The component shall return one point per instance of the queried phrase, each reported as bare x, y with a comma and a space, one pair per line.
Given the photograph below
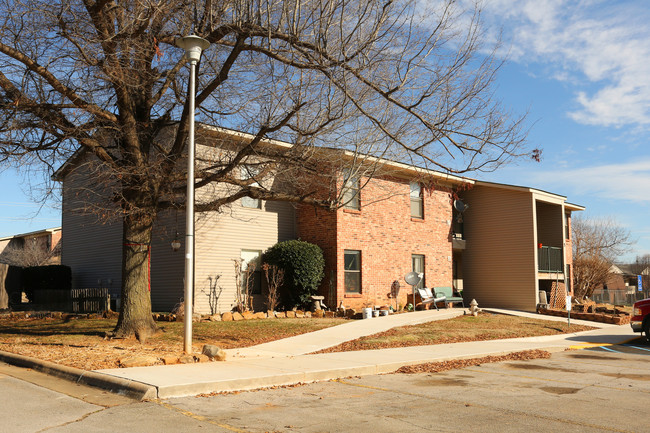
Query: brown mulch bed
461, 329
437, 367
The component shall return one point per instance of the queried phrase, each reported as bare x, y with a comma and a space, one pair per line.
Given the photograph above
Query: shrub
53, 277
303, 265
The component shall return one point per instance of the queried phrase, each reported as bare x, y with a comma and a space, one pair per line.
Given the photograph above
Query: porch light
176, 244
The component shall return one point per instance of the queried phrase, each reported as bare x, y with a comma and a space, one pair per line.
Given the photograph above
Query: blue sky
582, 71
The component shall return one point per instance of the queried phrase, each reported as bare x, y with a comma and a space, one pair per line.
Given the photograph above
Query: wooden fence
73, 301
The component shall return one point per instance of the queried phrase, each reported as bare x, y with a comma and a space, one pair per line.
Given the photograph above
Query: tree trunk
135, 313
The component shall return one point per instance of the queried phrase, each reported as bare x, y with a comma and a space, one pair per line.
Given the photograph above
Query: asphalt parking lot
605, 389
578, 390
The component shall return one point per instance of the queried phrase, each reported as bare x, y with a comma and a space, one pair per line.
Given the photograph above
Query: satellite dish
413, 278
460, 206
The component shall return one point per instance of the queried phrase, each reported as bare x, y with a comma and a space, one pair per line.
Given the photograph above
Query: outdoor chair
450, 298
427, 297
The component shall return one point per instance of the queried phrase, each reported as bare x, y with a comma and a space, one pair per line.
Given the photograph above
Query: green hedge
303, 265
53, 277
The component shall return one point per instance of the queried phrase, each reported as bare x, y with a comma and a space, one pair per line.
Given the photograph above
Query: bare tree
102, 78
274, 279
641, 266
596, 245
30, 253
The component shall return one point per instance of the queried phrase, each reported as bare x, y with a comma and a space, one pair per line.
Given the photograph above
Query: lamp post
193, 46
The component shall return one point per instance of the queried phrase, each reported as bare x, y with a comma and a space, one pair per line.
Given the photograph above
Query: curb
116, 385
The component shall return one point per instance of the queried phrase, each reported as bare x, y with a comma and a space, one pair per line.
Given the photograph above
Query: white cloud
629, 181
602, 48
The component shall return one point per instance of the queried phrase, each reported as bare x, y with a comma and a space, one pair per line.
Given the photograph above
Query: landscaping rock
227, 316
199, 357
271, 314
259, 315
280, 314
215, 318
290, 314
318, 314
247, 315
308, 314
330, 314
300, 313
137, 361
214, 352
186, 359
169, 359
237, 316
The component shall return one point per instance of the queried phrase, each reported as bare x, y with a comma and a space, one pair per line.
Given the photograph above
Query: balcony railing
550, 259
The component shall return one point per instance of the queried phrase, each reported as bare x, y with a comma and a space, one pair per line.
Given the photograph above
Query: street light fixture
193, 46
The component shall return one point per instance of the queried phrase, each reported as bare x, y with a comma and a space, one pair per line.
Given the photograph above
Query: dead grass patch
484, 327
80, 342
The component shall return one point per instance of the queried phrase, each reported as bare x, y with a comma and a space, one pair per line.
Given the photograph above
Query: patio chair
427, 297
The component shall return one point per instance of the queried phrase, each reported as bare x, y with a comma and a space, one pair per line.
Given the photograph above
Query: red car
640, 321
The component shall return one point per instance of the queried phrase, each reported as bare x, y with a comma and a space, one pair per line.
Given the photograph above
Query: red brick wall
387, 236
318, 226
56, 237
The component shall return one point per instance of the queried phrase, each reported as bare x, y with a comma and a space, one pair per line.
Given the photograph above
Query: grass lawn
80, 342
460, 329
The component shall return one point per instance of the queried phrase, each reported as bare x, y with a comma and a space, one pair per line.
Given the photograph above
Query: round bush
303, 265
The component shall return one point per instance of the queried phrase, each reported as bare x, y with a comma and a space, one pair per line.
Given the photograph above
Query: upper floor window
249, 173
351, 187
417, 205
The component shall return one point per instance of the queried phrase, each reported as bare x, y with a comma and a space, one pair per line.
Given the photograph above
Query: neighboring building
403, 220
622, 285
41, 247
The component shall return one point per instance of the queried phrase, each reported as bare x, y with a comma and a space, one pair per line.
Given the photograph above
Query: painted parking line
609, 349
637, 347
582, 346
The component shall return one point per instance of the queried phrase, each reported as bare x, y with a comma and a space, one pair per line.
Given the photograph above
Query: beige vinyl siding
92, 246
167, 266
499, 261
220, 237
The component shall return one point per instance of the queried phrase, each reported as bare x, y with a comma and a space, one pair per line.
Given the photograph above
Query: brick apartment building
511, 243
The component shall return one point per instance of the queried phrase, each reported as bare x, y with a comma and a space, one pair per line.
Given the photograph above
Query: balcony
550, 259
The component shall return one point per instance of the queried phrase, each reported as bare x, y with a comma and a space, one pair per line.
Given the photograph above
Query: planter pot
367, 313
384, 312
375, 313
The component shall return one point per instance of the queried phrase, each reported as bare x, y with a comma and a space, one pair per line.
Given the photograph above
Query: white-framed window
352, 270
252, 258
351, 186
249, 173
417, 204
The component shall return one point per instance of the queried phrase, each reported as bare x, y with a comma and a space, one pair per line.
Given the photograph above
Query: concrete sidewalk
279, 364
335, 335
